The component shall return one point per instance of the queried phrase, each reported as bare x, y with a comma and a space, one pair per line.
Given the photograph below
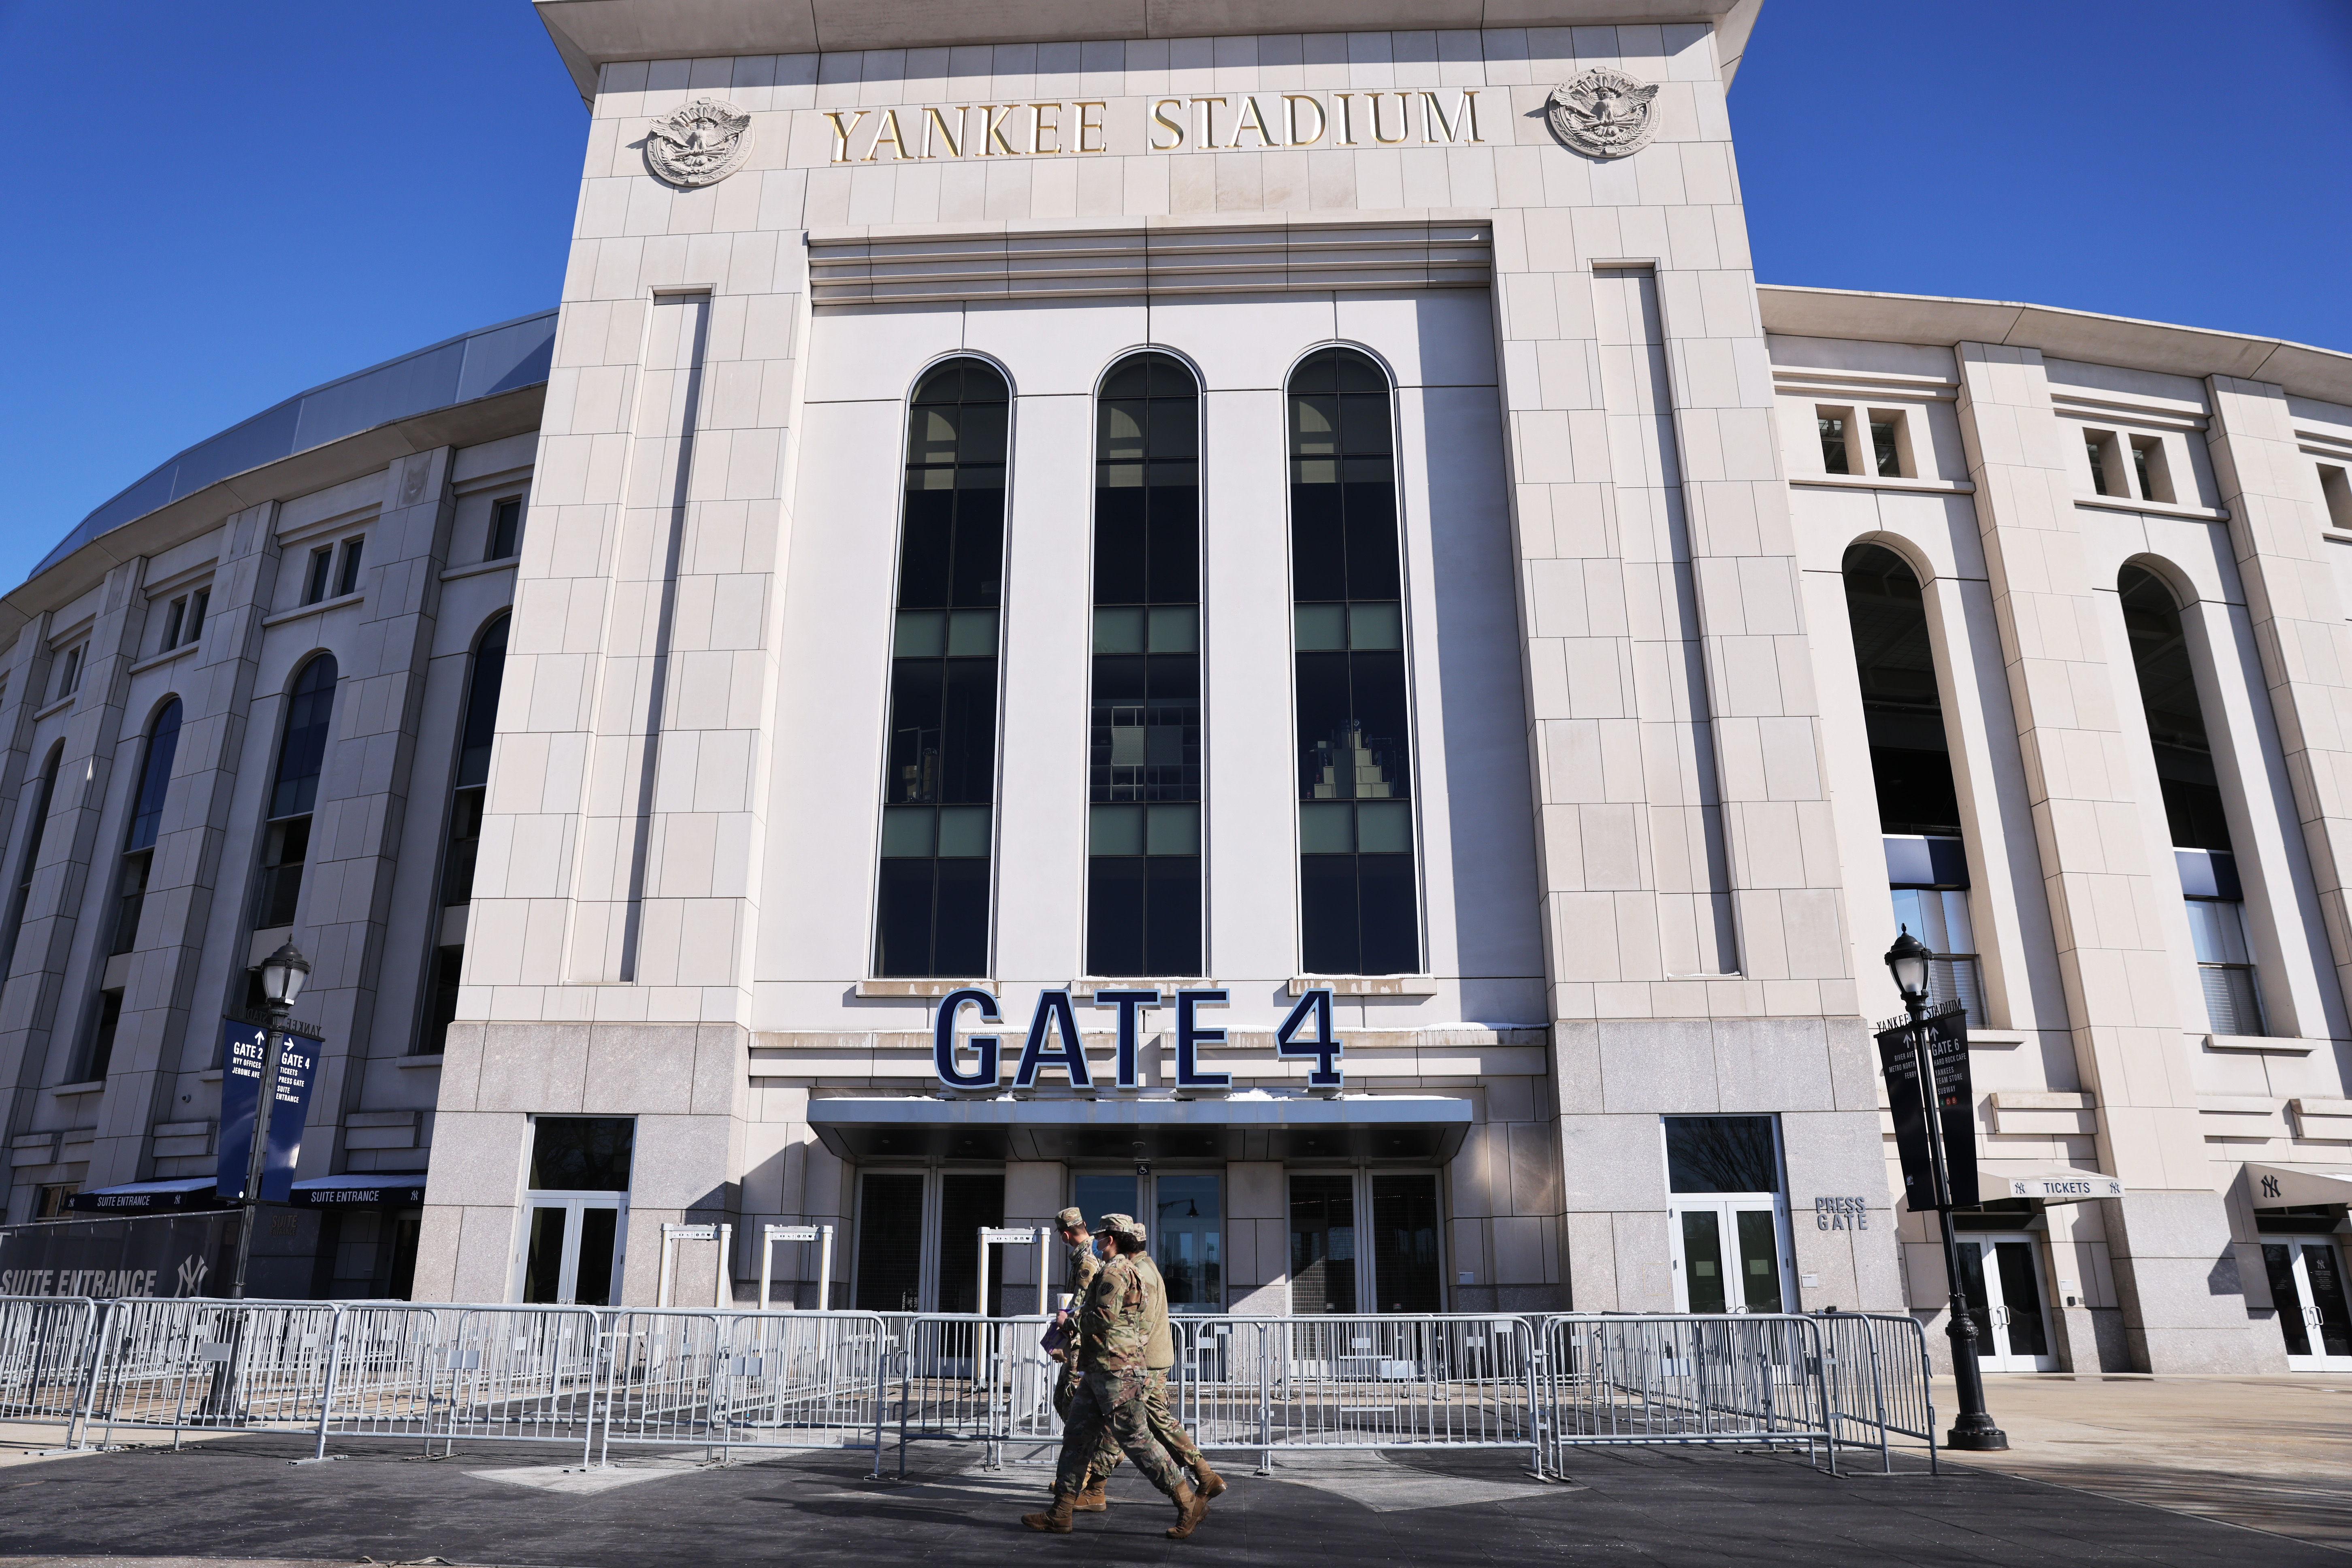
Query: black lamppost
282, 974
1908, 960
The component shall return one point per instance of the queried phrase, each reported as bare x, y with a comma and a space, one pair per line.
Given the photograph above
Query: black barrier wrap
159, 1254
1948, 1046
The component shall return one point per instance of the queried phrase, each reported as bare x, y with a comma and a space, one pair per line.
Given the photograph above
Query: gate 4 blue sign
245, 1055
1054, 1041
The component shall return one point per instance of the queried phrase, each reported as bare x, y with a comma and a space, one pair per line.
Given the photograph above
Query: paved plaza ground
2124, 1471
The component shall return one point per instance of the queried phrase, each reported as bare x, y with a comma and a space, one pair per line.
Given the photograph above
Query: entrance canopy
150, 1197
2293, 1187
1243, 1127
373, 1189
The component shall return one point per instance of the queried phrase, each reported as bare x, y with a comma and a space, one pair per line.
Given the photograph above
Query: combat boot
1055, 1520
1092, 1499
1211, 1483
1192, 1508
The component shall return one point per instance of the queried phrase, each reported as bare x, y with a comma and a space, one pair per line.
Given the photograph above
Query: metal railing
47, 1347
1880, 1382
1745, 1379
602, 1378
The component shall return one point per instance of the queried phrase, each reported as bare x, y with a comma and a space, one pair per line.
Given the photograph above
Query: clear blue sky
215, 206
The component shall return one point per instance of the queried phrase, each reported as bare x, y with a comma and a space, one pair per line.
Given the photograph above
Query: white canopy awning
2063, 1185
2291, 1186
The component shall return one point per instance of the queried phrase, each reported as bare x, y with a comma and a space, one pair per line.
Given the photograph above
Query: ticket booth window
575, 1210
1727, 1214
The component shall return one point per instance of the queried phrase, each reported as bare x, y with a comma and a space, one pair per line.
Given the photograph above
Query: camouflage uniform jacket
1114, 1326
1078, 1270
1161, 1352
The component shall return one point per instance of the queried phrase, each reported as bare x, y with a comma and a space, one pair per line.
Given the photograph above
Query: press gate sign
245, 1055
1947, 1047
1053, 1043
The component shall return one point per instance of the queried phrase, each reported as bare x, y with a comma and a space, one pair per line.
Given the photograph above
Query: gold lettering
1405, 118
938, 121
1290, 102
841, 132
1039, 125
1346, 119
1251, 117
1085, 125
889, 133
1208, 121
1466, 116
992, 125
1159, 116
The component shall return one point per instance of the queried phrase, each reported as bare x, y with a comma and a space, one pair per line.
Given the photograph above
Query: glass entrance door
1730, 1255
1184, 1217
2307, 1284
1339, 1263
571, 1249
2007, 1302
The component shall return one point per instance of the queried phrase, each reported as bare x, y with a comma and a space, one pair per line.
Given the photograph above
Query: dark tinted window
582, 1154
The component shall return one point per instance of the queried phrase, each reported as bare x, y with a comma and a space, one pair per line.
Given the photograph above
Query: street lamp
282, 974
1908, 960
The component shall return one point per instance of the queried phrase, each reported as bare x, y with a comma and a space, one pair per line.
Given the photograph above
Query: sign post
274, 1067
1925, 1061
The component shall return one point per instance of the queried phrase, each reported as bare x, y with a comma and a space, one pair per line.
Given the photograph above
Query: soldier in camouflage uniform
1113, 1343
1170, 1434
1078, 1270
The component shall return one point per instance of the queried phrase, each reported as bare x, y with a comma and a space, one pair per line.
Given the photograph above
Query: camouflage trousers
1114, 1409
1163, 1419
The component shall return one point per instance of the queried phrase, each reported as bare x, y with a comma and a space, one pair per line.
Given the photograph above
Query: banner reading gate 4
244, 1051
1947, 1047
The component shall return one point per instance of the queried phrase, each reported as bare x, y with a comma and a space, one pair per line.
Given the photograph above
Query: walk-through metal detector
1010, 1235
722, 1289
776, 1232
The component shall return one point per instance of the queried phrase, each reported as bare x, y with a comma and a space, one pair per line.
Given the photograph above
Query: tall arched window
1911, 763
294, 790
467, 787
1143, 759
131, 880
1358, 910
30, 860
939, 782
2192, 802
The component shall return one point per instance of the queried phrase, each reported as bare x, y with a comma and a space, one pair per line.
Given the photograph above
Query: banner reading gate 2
244, 1052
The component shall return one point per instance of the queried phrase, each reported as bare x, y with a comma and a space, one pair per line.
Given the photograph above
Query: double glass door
1730, 1254
2307, 1284
1341, 1264
572, 1248
2002, 1278
1183, 1220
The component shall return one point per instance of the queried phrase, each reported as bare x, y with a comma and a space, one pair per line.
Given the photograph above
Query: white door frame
2317, 1361
568, 1270
1997, 1356
1726, 1205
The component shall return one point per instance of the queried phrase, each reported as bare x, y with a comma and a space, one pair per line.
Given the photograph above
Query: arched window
131, 882
1358, 911
28, 862
294, 790
940, 781
1143, 761
467, 788
2193, 810
1911, 763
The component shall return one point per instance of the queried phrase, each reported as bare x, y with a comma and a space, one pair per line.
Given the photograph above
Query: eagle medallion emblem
1605, 113
699, 144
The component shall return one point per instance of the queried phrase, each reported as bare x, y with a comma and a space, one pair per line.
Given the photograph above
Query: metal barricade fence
744, 1380
1879, 1382
1270, 1384
428, 1372
957, 1378
193, 1364
1672, 1379
48, 1351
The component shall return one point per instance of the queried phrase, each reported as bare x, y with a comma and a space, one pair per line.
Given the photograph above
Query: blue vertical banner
245, 1054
